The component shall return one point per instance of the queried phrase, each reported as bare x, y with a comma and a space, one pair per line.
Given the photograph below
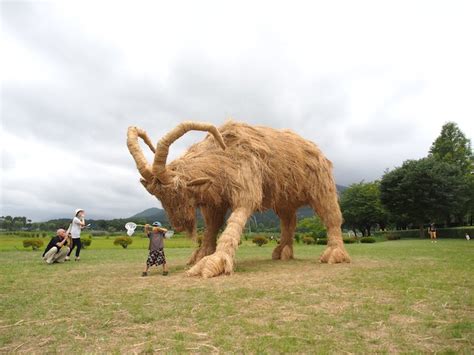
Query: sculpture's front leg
222, 261
214, 219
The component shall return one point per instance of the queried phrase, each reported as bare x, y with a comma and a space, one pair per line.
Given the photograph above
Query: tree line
9, 223
15, 223
438, 188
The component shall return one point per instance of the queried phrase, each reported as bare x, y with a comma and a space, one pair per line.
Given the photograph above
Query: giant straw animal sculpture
241, 168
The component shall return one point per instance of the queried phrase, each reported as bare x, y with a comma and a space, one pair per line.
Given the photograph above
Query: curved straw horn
162, 148
132, 142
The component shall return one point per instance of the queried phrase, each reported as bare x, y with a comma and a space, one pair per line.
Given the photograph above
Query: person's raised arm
80, 221
147, 229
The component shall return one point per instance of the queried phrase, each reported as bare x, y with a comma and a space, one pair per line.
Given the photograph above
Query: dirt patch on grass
403, 320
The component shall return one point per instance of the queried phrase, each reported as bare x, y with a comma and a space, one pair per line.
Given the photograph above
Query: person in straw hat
156, 255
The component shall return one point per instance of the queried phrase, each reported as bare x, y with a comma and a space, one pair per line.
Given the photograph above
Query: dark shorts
156, 257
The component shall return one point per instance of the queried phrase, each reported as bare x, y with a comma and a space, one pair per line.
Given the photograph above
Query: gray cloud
66, 132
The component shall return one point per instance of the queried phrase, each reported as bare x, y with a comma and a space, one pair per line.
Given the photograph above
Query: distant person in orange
432, 232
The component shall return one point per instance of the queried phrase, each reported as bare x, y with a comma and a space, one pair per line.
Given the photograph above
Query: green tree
470, 205
14, 223
7, 222
19, 222
453, 147
362, 208
312, 225
423, 190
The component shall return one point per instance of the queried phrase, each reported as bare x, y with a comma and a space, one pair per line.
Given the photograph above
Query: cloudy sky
370, 82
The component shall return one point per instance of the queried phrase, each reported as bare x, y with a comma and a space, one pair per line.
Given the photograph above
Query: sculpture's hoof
285, 253
213, 265
195, 256
334, 255
198, 254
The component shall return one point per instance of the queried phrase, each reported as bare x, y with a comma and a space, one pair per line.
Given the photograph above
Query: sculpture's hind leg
214, 220
284, 250
327, 207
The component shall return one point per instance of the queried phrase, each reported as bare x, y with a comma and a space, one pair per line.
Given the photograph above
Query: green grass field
399, 296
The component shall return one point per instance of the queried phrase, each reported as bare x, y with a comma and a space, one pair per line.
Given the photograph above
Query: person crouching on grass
56, 251
156, 255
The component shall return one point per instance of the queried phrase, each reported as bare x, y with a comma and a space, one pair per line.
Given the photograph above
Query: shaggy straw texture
159, 164
245, 169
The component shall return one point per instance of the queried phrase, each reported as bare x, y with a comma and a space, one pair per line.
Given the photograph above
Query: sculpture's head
175, 188
179, 199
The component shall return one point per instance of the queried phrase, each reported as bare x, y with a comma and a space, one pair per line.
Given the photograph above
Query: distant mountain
151, 213
267, 219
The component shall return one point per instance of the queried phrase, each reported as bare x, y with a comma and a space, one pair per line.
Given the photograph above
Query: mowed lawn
396, 296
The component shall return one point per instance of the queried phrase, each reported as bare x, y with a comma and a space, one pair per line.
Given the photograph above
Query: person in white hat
78, 223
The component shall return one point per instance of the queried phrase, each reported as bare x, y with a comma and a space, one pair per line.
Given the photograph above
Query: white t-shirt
76, 228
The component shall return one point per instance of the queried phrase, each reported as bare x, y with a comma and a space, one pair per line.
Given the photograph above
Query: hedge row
324, 241
35, 244
453, 233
